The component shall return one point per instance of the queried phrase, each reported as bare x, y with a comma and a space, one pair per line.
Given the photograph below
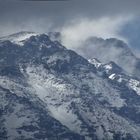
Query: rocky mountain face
49, 93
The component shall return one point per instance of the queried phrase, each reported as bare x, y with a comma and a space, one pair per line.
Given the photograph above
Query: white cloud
77, 31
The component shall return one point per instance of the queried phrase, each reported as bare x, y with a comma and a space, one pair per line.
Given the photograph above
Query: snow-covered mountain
50, 92
116, 74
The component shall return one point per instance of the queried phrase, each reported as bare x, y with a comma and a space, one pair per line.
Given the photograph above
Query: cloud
88, 38
77, 31
16, 13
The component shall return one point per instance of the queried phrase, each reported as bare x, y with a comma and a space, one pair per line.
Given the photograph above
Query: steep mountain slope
50, 92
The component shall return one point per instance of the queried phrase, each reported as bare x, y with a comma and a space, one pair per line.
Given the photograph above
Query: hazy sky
75, 18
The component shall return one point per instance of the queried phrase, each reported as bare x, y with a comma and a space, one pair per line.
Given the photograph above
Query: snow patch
135, 85
95, 62
112, 76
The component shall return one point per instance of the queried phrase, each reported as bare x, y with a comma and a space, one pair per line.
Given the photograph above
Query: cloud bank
77, 31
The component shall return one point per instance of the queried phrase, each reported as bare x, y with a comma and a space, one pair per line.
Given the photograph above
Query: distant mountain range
48, 92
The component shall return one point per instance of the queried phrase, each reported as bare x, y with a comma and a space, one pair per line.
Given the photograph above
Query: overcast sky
105, 18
